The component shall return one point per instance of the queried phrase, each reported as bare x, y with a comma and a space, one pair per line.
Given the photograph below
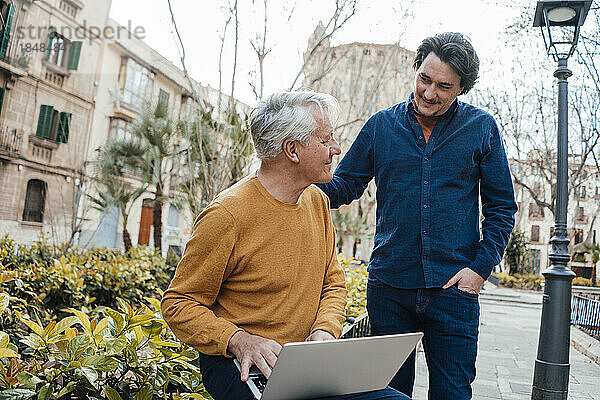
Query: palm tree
214, 156
113, 189
149, 155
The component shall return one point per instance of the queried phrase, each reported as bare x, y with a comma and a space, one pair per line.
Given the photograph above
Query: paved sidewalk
508, 339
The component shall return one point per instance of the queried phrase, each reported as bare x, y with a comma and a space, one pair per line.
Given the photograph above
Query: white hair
287, 115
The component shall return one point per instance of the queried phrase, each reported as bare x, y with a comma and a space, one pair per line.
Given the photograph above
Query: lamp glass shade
561, 14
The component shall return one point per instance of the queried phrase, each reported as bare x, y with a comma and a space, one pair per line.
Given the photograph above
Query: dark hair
454, 49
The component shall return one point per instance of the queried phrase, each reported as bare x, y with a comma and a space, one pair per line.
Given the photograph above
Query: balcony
11, 142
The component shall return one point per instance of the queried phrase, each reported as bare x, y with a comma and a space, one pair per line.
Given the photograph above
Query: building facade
133, 75
70, 80
49, 63
537, 221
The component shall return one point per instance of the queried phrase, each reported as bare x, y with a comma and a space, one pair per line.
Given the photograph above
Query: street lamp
560, 22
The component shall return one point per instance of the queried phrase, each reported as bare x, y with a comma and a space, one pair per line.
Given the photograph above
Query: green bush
62, 336
356, 283
45, 277
126, 354
579, 281
518, 281
533, 281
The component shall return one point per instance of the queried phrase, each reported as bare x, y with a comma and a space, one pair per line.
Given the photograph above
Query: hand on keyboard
254, 350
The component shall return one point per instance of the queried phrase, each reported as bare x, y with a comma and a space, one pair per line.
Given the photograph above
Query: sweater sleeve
208, 259
332, 306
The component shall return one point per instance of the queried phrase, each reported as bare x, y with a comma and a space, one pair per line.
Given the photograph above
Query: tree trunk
126, 240
157, 218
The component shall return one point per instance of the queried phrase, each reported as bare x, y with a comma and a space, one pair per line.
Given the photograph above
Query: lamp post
560, 22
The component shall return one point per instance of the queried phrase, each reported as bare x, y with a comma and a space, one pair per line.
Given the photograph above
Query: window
535, 233
120, 129
536, 211
533, 258
367, 52
138, 83
57, 47
163, 101
53, 125
578, 236
173, 219
580, 215
537, 190
580, 192
35, 198
7, 12
62, 52
190, 109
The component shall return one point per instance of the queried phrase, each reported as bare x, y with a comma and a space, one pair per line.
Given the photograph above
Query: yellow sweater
256, 264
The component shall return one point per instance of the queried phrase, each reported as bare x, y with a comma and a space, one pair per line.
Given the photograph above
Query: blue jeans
221, 379
449, 320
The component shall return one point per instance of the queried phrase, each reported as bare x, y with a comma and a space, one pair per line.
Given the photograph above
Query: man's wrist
235, 339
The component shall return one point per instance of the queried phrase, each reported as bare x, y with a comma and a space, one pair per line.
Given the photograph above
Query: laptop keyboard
260, 381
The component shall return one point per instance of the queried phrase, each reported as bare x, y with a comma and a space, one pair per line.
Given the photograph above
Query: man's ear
290, 150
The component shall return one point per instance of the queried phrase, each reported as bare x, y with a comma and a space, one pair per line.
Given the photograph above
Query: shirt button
424, 232
424, 256
426, 158
425, 206
426, 182
420, 137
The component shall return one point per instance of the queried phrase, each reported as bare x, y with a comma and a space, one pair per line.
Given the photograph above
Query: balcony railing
11, 141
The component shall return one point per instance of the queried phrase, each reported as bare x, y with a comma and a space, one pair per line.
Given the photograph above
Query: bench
357, 327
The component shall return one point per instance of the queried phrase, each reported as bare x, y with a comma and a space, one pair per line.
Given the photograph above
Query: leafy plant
516, 252
356, 283
126, 354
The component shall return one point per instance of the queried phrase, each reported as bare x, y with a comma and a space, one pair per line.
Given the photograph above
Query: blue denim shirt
428, 214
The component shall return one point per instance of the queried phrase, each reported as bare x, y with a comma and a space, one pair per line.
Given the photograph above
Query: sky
290, 23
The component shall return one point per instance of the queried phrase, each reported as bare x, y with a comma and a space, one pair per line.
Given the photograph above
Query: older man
261, 268
433, 157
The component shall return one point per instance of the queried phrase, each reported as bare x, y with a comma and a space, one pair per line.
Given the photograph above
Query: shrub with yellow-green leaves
45, 277
518, 281
579, 281
118, 355
87, 324
533, 281
356, 283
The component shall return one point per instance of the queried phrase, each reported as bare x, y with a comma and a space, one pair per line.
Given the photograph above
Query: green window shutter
60, 129
50, 37
67, 126
163, 103
5, 35
44, 122
62, 132
1, 100
74, 53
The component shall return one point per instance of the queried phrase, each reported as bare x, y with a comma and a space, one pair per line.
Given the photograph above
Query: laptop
306, 370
